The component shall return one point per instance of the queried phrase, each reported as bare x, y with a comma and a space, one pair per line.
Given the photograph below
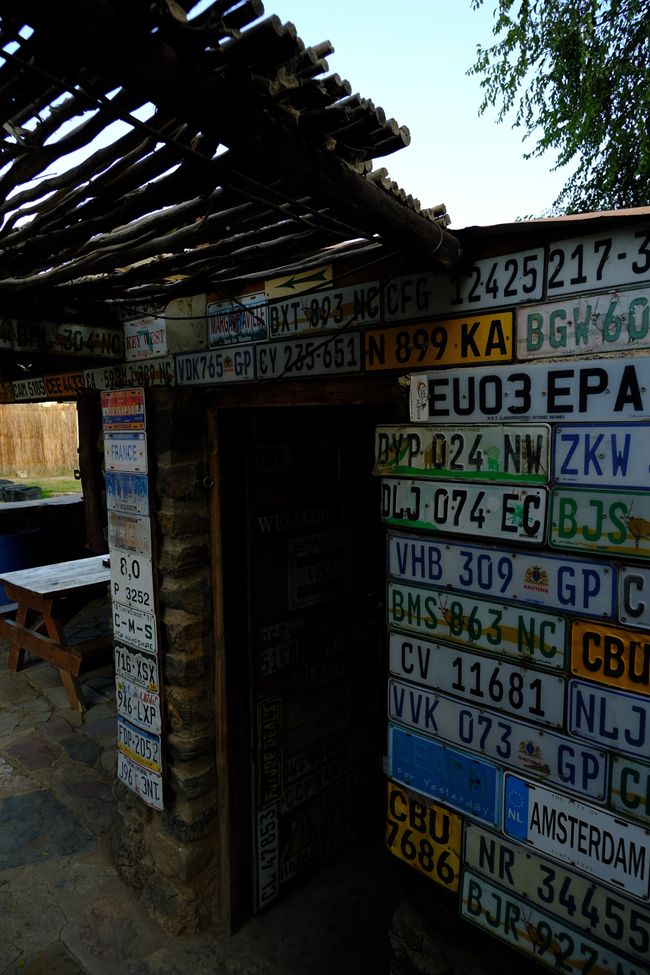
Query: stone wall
171, 855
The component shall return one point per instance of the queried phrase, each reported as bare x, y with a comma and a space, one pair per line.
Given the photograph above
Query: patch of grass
62, 484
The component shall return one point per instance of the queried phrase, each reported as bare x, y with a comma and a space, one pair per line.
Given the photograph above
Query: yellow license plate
458, 341
611, 655
424, 835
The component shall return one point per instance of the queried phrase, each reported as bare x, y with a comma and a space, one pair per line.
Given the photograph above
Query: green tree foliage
576, 74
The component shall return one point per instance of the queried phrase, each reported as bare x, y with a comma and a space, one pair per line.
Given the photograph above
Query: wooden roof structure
236, 154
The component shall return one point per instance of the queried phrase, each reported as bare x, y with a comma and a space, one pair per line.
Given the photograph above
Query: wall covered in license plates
517, 508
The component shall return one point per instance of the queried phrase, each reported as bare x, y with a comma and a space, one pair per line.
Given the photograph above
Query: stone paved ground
64, 909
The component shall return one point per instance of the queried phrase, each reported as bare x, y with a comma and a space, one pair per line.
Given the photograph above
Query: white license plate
142, 781
142, 747
336, 308
126, 452
541, 936
555, 888
598, 261
130, 532
531, 695
128, 493
132, 580
237, 320
494, 735
526, 635
585, 325
504, 280
509, 512
629, 792
123, 410
609, 522
153, 372
236, 364
134, 627
634, 595
140, 668
320, 356
138, 705
615, 719
604, 455
489, 453
597, 390
574, 585
594, 841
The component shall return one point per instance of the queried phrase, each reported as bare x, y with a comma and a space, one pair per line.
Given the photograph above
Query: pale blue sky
411, 57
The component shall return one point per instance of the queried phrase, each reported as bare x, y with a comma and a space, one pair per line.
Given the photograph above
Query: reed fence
38, 438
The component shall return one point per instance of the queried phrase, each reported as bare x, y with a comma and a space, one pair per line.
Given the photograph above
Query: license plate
611, 655
153, 372
142, 747
217, 366
574, 585
132, 580
237, 320
494, 281
495, 736
336, 308
634, 595
585, 325
598, 261
131, 533
532, 695
138, 705
605, 455
424, 835
142, 781
487, 453
541, 936
468, 784
529, 636
459, 341
613, 522
598, 390
614, 719
123, 410
559, 890
592, 840
320, 356
126, 452
630, 789
140, 668
128, 493
134, 627
513, 513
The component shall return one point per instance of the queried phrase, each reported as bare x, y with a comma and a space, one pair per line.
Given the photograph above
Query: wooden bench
47, 598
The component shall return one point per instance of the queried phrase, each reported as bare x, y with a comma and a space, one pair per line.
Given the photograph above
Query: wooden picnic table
47, 597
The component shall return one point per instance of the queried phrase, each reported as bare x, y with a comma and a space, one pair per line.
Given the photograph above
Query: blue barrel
18, 550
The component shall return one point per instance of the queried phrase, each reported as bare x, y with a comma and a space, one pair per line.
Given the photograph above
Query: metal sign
409, 297
461, 781
531, 695
459, 341
216, 367
619, 720
494, 281
132, 580
138, 705
611, 655
612, 522
123, 410
602, 455
142, 747
496, 736
28, 389
496, 452
630, 788
134, 627
634, 595
139, 668
236, 320
541, 936
528, 636
323, 356
613, 919
325, 311
424, 835
597, 390
128, 493
149, 372
297, 282
579, 586
618, 321
57, 338
501, 512
592, 840
318, 568
145, 338
142, 781
599, 261
131, 533
64, 386
125, 452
